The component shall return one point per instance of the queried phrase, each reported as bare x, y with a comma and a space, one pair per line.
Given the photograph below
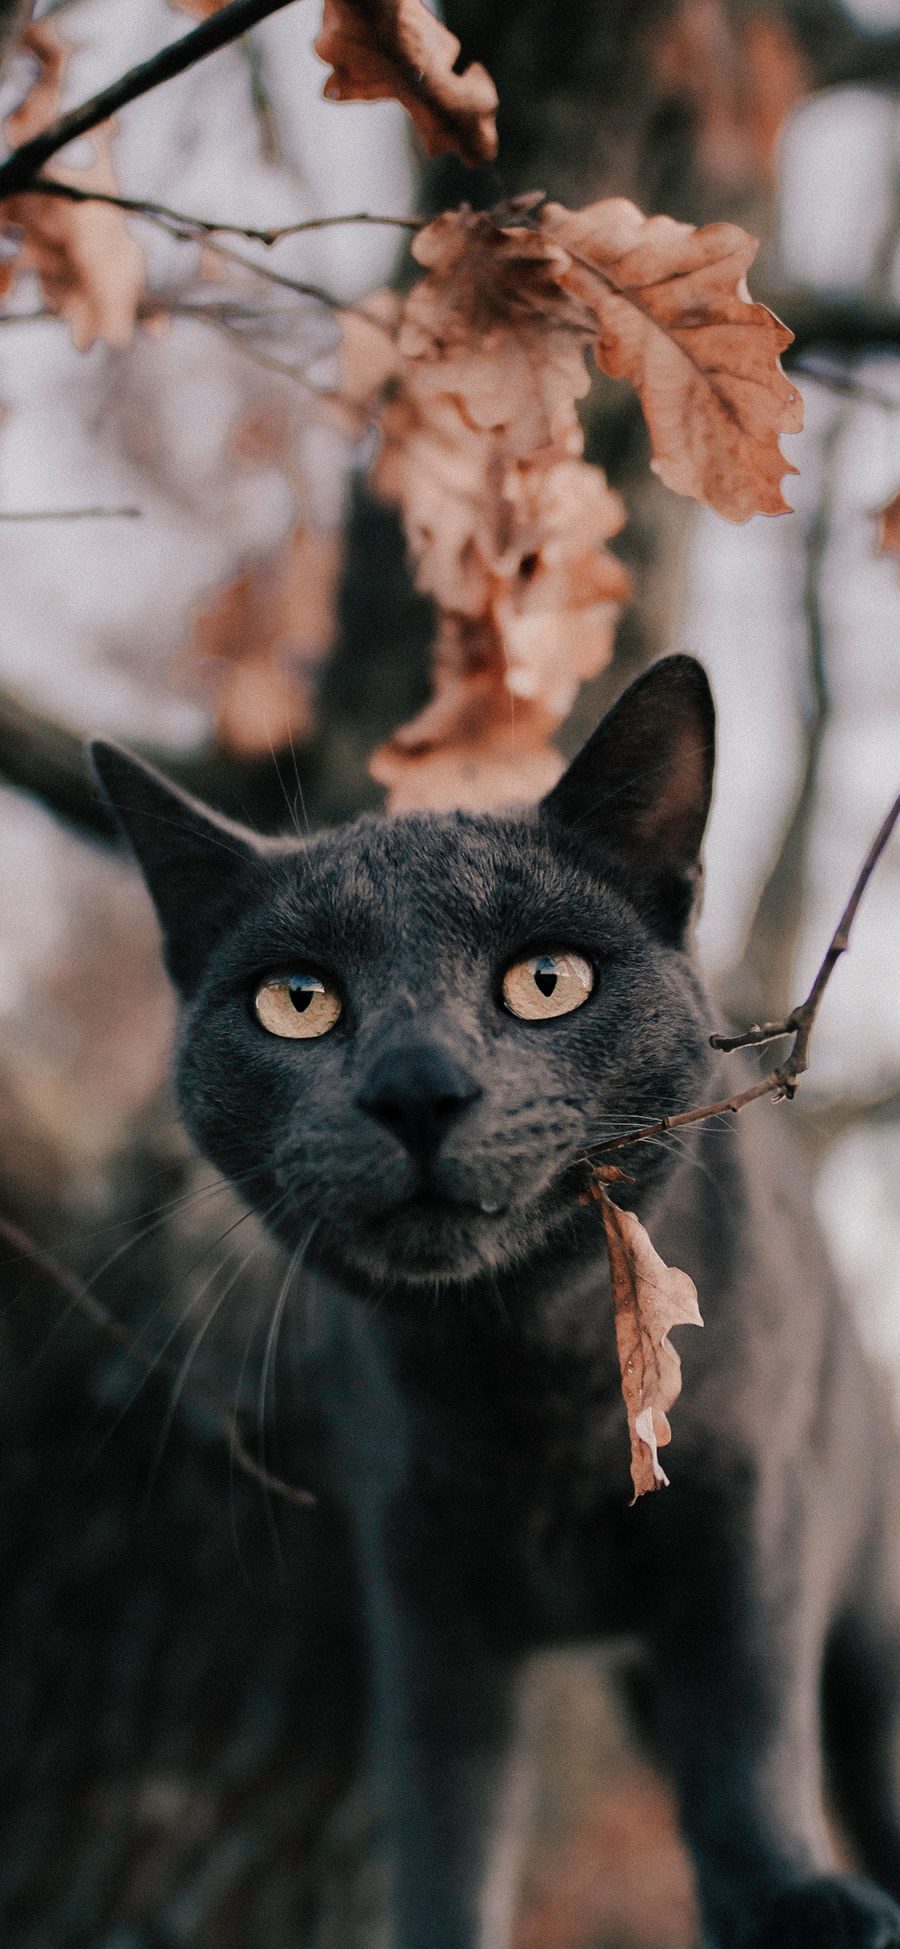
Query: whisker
157, 1360
186, 1364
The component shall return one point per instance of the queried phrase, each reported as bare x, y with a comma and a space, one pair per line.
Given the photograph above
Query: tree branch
781, 1082
41, 756
17, 172
181, 224
70, 514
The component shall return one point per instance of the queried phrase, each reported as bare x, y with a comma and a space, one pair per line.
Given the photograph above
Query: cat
408, 1032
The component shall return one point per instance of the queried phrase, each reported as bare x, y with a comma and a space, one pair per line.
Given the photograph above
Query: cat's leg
455, 1775
446, 1733
862, 1712
737, 1631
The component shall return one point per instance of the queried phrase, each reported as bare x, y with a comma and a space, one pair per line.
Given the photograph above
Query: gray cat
408, 1032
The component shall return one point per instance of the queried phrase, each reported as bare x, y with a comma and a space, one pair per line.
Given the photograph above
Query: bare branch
70, 514
180, 223
780, 1082
67, 1285
17, 172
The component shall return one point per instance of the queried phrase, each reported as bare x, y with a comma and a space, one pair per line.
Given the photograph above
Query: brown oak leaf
90, 270
474, 744
675, 319
507, 524
261, 639
481, 449
513, 550
398, 50
491, 325
649, 1299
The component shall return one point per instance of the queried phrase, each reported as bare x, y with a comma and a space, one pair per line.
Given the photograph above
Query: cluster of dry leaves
481, 448
474, 379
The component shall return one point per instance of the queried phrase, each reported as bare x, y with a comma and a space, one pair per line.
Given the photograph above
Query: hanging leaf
90, 270
397, 50
260, 640
481, 450
473, 744
491, 326
674, 318
649, 1299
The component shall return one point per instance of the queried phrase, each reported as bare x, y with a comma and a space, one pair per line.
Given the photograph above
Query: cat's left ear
640, 788
192, 859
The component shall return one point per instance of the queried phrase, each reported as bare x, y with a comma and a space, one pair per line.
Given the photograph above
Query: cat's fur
427, 1156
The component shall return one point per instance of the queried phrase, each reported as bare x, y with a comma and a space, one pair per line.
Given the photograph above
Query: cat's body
424, 1152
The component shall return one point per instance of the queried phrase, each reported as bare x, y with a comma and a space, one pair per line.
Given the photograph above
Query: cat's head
400, 1037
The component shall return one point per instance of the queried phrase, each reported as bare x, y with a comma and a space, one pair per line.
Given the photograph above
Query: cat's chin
425, 1243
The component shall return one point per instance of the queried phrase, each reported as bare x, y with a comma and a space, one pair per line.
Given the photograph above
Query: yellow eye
296, 1005
552, 983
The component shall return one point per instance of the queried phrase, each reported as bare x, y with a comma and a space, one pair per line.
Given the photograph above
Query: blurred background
180, 1714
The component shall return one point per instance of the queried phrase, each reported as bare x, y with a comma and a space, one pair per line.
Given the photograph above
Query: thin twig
70, 514
22, 166
182, 224
79, 1296
781, 1082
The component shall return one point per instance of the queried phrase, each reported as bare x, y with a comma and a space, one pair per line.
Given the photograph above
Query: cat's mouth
429, 1232
427, 1201
427, 1207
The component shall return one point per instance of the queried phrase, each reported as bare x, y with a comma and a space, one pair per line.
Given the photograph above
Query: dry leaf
263, 637
740, 75
474, 745
90, 270
368, 358
889, 527
675, 319
481, 450
507, 525
649, 1298
397, 50
492, 326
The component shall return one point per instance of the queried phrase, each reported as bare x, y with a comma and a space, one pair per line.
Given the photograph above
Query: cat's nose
418, 1093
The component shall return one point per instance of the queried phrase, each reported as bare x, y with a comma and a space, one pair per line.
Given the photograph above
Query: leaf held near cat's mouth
649, 1299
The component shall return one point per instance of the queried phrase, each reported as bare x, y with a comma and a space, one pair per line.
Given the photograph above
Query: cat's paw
832, 1912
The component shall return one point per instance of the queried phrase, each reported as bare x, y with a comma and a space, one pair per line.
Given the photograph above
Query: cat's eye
551, 983
296, 1005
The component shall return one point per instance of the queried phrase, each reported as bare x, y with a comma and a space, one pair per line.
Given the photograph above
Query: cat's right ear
192, 859
640, 788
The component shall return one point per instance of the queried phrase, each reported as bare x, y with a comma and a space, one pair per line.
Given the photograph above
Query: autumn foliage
473, 380
481, 449
89, 268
